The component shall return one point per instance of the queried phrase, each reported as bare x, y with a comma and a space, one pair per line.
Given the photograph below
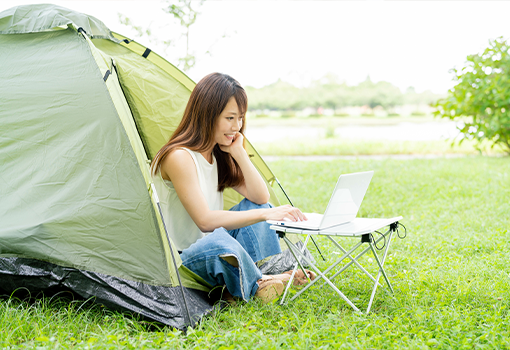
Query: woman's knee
216, 242
223, 241
246, 204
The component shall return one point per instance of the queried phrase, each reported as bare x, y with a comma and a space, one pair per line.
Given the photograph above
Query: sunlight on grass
450, 274
346, 147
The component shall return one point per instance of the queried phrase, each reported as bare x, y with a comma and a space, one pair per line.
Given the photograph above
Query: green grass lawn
451, 274
335, 146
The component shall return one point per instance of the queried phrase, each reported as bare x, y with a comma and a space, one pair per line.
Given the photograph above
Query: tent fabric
156, 59
157, 99
64, 165
106, 66
82, 114
74, 182
42, 17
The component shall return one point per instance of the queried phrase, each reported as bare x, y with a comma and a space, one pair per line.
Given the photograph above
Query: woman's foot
299, 277
269, 289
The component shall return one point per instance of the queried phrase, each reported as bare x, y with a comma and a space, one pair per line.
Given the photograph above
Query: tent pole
285, 193
172, 253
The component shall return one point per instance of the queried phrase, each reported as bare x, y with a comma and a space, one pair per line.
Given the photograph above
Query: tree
426, 97
372, 94
481, 97
186, 15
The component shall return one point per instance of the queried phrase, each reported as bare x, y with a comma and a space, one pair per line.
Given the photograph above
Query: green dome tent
83, 111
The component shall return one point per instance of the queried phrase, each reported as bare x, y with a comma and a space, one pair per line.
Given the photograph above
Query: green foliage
277, 96
481, 97
411, 97
288, 114
186, 16
141, 31
183, 12
328, 92
372, 94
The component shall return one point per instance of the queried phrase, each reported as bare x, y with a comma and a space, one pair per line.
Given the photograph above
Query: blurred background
328, 77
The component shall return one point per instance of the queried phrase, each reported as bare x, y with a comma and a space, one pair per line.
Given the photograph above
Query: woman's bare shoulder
177, 161
178, 154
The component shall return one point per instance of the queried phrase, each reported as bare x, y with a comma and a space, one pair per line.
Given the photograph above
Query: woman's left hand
236, 147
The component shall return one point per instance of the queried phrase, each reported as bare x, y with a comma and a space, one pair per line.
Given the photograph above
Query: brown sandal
269, 289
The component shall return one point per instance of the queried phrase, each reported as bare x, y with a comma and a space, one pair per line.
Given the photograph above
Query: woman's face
228, 123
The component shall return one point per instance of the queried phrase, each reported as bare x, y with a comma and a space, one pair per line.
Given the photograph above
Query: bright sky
408, 43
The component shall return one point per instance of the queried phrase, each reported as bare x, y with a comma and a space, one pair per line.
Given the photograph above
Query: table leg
294, 269
326, 271
353, 260
295, 257
356, 258
380, 265
379, 273
292, 247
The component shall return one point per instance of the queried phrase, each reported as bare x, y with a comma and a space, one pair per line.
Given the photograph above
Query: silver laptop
343, 205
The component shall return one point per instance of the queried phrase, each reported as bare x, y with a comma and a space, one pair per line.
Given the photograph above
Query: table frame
322, 275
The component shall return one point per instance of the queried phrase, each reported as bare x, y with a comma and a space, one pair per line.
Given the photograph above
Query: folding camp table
361, 228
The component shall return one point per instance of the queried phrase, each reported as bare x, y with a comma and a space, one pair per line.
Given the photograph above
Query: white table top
354, 228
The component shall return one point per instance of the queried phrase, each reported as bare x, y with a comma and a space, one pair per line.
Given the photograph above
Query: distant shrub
262, 116
418, 114
367, 114
342, 115
393, 115
330, 132
288, 114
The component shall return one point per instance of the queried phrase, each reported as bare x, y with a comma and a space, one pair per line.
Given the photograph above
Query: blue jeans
247, 244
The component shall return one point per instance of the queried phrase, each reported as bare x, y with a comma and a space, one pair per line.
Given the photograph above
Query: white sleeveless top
181, 228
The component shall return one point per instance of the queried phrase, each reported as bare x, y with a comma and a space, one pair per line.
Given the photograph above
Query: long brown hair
196, 129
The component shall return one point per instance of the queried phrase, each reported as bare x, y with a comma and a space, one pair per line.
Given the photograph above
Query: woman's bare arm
179, 168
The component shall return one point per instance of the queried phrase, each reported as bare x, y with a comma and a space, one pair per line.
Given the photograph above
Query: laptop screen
346, 199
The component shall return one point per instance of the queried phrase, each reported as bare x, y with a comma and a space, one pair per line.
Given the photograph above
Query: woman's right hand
285, 212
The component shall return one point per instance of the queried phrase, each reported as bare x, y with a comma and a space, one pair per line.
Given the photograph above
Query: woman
204, 156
